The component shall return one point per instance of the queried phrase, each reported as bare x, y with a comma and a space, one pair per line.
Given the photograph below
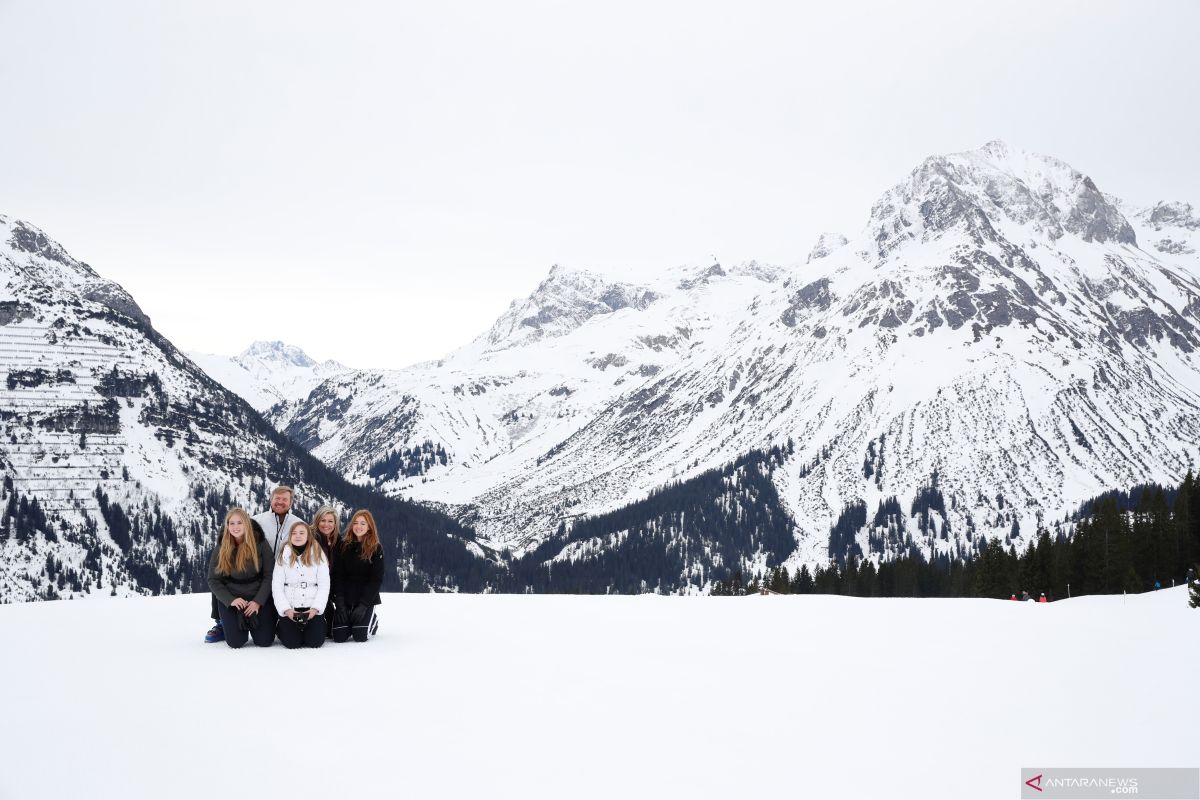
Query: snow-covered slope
602, 697
268, 373
998, 321
119, 456
501, 406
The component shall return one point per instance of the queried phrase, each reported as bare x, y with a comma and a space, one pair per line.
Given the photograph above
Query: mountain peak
826, 243
44, 267
278, 352
31, 239
563, 301
996, 149
1171, 215
976, 190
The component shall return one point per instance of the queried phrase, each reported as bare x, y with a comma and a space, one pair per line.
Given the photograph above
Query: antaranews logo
1089, 784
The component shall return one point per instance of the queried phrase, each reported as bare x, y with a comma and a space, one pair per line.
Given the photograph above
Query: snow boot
216, 633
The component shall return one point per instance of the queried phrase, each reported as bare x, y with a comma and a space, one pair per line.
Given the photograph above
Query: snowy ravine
601, 697
999, 322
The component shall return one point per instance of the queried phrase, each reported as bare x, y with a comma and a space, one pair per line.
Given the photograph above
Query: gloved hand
340, 616
359, 615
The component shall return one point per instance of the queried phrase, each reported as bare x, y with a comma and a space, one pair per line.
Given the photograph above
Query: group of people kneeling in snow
277, 575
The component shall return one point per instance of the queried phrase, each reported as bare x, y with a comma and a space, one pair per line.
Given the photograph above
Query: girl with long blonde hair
300, 587
357, 578
239, 575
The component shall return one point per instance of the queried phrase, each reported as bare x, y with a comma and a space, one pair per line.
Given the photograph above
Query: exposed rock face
1172, 215
826, 244
812, 298
563, 302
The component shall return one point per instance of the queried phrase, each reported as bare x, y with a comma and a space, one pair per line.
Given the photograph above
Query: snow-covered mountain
549, 366
119, 456
1000, 341
268, 373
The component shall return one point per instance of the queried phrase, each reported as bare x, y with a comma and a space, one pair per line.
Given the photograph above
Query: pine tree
803, 582
780, 581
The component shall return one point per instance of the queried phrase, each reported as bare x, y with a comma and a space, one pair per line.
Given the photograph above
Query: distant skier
1025, 597
1157, 585
1191, 575
1014, 597
1043, 599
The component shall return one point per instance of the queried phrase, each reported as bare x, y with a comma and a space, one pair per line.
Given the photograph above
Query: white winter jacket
300, 586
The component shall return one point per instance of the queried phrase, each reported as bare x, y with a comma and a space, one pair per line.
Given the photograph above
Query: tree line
1121, 541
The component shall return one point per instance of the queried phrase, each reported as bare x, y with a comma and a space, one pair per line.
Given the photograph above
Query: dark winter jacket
246, 584
355, 580
329, 550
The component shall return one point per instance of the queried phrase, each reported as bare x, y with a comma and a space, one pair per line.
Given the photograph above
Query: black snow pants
310, 634
238, 629
362, 623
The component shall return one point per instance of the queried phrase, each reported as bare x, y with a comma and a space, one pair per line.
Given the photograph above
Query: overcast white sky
375, 182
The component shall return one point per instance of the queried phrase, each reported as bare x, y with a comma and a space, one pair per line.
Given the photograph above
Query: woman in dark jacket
325, 527
357, 576
325, 530
239, 575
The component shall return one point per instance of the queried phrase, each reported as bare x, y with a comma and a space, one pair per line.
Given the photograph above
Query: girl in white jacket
300, 588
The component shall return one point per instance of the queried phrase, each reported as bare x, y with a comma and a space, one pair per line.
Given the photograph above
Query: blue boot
216, 633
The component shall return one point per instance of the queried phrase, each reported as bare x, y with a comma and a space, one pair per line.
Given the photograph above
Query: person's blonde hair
280, 489
322, 511
246, 550
370, 541
312, 555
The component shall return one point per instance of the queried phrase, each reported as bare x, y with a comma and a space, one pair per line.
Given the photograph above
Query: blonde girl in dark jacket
239, 575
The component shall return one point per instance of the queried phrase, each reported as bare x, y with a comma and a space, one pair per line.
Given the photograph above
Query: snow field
566, 697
